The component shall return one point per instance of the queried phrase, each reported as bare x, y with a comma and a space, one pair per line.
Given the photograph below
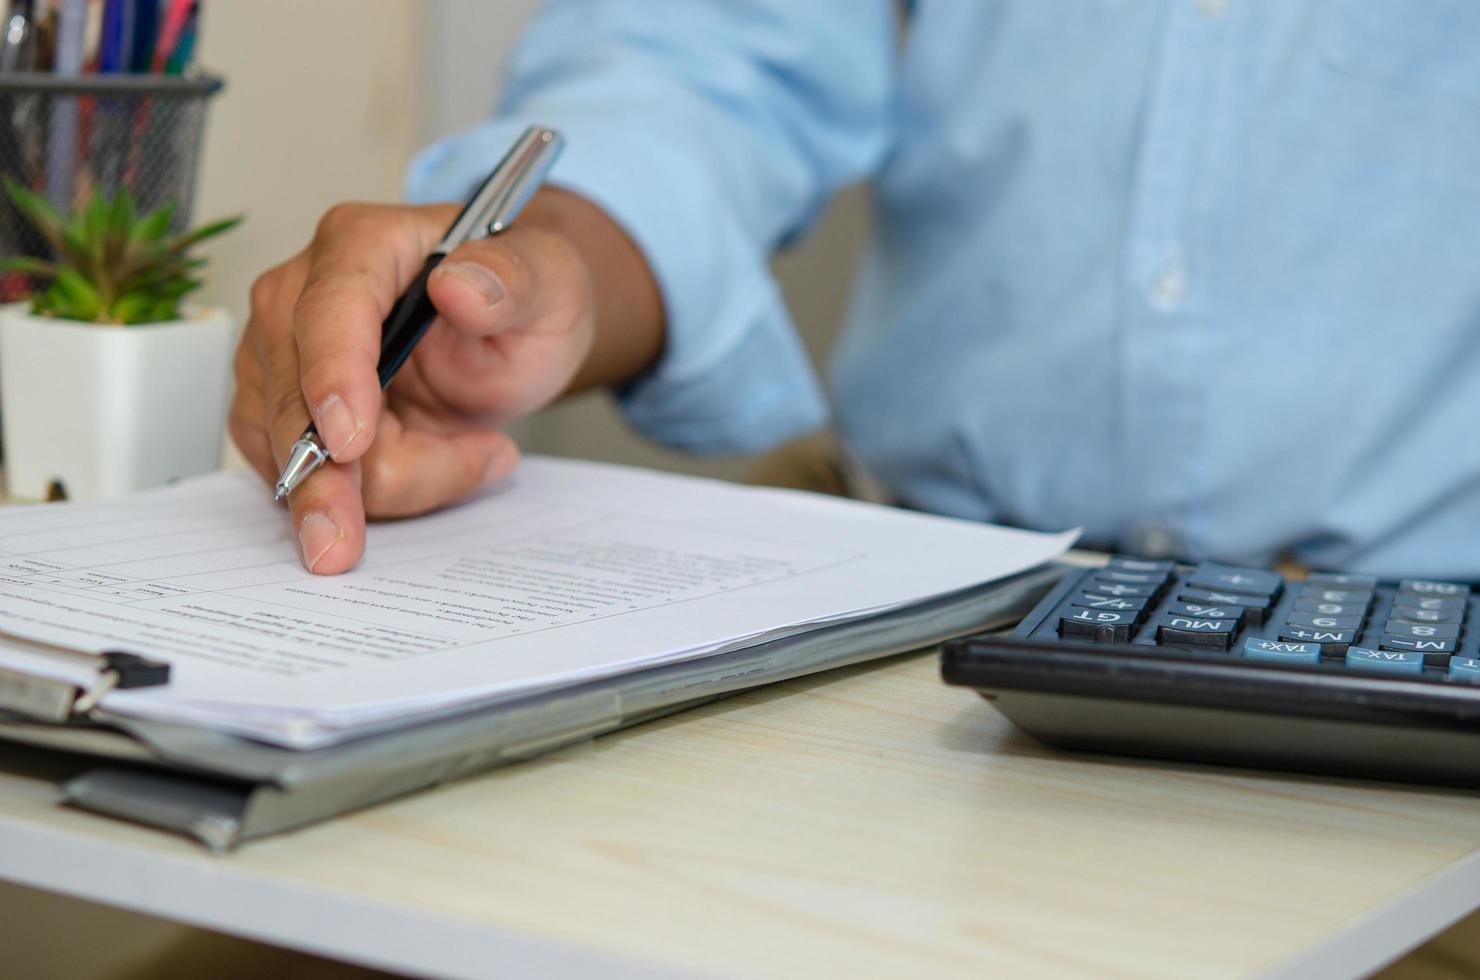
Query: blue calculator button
1333, 643
1289, 653
1464, 668
1389, 661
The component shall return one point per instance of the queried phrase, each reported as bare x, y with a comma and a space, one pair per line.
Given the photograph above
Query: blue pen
116, 46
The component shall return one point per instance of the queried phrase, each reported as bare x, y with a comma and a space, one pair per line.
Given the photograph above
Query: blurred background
351, 89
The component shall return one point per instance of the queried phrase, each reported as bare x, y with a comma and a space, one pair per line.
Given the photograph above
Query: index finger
363, 256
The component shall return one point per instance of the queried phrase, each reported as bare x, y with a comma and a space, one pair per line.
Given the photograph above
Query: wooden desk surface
870, 822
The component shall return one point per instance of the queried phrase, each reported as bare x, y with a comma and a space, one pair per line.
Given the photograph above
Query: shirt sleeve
712, 131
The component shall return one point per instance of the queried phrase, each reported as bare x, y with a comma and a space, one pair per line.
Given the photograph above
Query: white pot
108, 409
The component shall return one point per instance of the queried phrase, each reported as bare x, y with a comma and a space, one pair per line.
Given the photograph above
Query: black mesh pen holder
69, 137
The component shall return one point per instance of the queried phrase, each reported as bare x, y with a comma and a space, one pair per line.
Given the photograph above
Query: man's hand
517, 322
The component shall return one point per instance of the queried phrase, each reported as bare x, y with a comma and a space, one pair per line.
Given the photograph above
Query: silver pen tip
307, 456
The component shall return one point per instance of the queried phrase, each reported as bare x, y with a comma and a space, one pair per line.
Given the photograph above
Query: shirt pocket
1419, 45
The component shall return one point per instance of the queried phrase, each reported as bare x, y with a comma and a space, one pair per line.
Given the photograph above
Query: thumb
509, 281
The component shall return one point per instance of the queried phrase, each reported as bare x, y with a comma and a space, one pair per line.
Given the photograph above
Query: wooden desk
870, 822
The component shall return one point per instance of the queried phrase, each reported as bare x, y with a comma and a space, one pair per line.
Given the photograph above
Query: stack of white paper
568, 571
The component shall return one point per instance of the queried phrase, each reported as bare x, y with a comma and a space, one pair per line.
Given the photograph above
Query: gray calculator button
1320, 608
1333, 580
1408, 614
1429, 601
1113, 603
1194, 631
1127, 589
1333, 643
1257, 606
1097, 625
1413, 586
1426, 631
1231, 578
1346, 597
1142, 566
1435, 650
1205, 610
1315, 621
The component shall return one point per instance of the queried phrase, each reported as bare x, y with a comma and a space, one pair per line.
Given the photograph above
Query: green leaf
38, 211
204, 232
76, 295
28, 266
132, 308
152, 227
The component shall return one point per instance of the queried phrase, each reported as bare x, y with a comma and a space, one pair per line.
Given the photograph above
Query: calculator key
1289, 653
1204, 610
1193, 631
1315, 621
1142, 566
1390, 661
1332, 580
1464, 668
1408, 614
1347, 597
1124, 589
1413, 586
1412, 601
1114, 603
1230, 578
1098, 626
1333, 643
1320, 608
1436, 651
1131, 578
1436, 631
1257, 606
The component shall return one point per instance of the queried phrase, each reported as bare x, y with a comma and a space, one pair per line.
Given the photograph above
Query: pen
16, 42
489, 211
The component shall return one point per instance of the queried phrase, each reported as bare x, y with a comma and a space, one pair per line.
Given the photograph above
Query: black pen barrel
407, 321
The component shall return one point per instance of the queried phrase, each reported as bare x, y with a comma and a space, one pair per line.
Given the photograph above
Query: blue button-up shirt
1201, 274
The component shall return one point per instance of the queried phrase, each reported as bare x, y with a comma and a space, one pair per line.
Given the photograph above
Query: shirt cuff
733, 376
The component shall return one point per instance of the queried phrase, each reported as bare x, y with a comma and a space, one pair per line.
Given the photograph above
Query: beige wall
318, 108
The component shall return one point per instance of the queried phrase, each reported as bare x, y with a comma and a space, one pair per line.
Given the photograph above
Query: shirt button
1212, 8
1169, 287
1151, 540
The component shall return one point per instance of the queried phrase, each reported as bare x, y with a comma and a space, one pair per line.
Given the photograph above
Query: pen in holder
69, 136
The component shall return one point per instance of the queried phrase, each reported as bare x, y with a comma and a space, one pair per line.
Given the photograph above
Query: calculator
1333, 673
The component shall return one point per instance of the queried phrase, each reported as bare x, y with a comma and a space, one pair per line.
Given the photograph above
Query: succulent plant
110, 264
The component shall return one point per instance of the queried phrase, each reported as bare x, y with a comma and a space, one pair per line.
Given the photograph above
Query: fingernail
316, 535
337, 425
497, 470
480, 277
